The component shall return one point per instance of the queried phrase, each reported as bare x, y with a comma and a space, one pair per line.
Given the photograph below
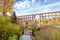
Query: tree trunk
4, 13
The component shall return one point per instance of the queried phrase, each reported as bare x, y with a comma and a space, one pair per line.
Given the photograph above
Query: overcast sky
26, 7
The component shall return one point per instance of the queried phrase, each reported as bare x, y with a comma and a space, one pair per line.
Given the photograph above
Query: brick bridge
31, 17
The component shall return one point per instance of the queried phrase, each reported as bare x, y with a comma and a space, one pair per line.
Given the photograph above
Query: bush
7, 28
47, 33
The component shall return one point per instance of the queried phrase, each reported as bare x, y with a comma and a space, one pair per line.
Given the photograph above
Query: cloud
33, 1
27, 7
23, 4
50, 7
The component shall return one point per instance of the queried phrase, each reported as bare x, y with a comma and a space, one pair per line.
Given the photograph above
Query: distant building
31, 18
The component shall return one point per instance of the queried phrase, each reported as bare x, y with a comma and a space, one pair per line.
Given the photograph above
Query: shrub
7, 28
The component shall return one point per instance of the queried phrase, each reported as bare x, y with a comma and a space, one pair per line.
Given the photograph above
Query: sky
26, 7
